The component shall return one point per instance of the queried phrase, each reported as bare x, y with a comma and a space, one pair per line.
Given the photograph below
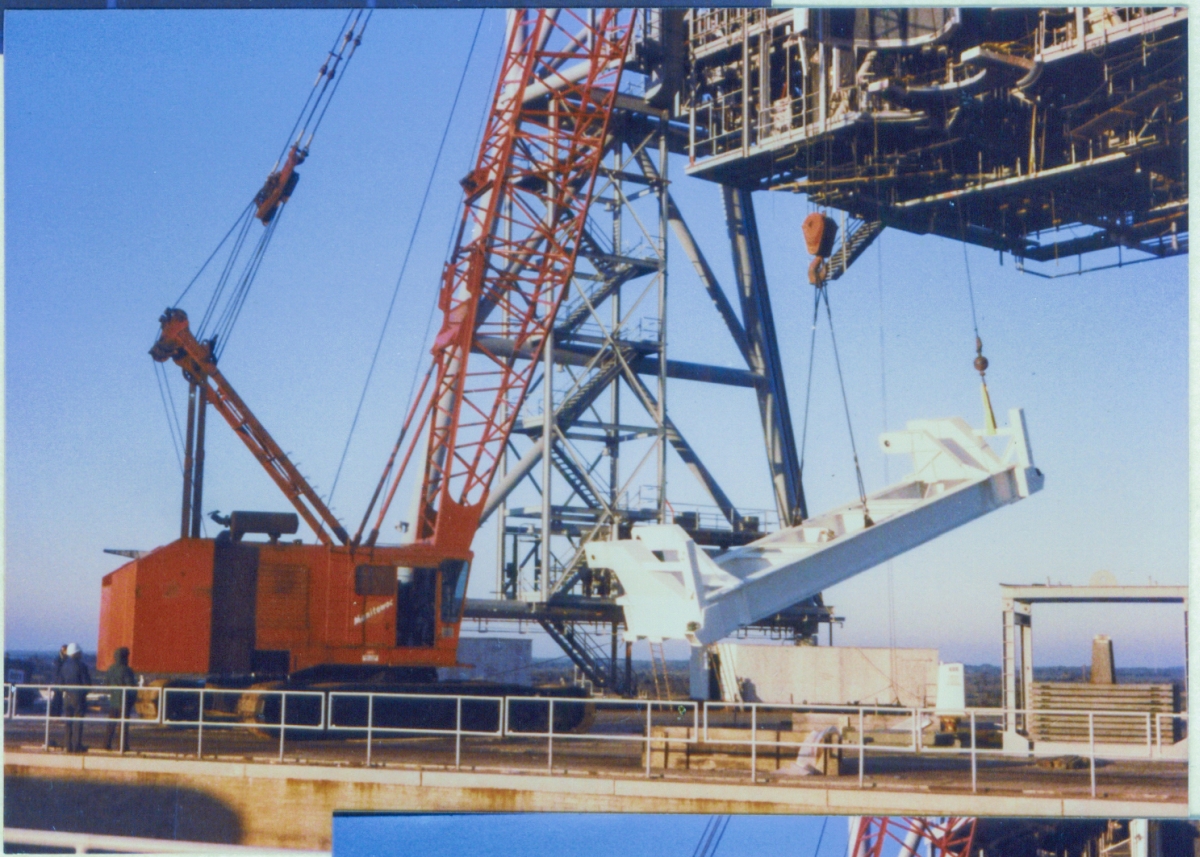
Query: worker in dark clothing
56, 696
75, 672
119, 676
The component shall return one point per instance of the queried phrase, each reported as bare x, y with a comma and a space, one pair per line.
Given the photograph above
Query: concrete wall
501, 659
834, 675
292, 805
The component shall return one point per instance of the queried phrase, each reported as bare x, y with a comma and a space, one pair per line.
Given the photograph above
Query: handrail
85, 842
492, 717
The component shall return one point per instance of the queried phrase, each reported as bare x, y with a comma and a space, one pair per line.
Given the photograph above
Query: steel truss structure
610, 432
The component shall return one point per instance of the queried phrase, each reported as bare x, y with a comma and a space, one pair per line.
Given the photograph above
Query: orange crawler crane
345, 609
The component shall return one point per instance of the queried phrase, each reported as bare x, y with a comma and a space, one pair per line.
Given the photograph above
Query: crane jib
195, 358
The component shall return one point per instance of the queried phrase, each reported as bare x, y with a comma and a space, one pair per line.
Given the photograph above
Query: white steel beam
674, 590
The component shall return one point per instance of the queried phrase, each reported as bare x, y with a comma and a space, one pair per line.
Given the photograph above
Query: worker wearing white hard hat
75, 675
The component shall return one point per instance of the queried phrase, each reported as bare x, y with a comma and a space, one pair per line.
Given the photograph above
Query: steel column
759, 325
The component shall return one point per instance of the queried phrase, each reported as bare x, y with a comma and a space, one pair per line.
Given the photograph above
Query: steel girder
763, 353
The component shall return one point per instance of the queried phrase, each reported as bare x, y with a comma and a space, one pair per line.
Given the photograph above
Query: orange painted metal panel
160, 606
116, 613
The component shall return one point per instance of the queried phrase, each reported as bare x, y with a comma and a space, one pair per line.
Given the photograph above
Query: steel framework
604, 362
932, 837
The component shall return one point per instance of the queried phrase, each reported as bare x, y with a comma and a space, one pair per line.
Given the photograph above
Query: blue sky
619, 835
133, 140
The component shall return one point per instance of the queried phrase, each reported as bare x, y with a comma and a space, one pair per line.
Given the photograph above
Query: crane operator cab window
416, 597
454, 590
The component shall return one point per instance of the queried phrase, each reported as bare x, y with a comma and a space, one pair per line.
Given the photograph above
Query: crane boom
176, 342
525, 204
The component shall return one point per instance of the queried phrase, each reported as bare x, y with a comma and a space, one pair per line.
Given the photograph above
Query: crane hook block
819, 234
817, 271
278, 187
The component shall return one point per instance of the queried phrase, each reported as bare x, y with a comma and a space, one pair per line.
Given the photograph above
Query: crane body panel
219, 607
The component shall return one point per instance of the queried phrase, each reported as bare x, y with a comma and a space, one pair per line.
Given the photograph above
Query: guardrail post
861, 745
370, 722
753, 743
550, 748
124, 705
973, 758
49, 705
648, 741
457, 733
1092, 748
282, 720
200, 729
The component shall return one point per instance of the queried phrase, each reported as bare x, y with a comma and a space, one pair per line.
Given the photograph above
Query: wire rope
223, 279
172, 417
249, 207
338, 81
862, 492
812, 348
821, 836
404, 264
320, 76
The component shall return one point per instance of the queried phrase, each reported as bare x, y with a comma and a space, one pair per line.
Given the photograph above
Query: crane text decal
374, 611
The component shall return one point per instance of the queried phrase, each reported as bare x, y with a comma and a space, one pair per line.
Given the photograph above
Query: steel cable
249, 207
404, 263
338, 82
862, 492
172, 417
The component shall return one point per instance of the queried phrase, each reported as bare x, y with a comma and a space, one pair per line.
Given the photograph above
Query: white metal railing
261, 698
380, 715
678, 707
975, 717
82, 843
372, 729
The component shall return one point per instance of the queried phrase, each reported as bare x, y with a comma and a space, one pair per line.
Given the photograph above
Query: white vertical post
282, 721
200, 729
753, 743
973, 759
550, 745
370, 723
1092, 748
861, 745
457, 732
124, 703
648, 741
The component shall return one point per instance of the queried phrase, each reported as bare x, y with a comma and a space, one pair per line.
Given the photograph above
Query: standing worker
56, 678
75, 672
120, 701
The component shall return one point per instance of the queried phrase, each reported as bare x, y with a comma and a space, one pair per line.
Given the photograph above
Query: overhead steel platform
1043, 133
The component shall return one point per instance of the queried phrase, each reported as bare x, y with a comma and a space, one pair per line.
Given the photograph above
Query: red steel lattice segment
525, 205
934, 837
